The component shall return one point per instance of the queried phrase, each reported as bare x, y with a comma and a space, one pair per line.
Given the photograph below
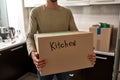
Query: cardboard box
102, 38
65, 51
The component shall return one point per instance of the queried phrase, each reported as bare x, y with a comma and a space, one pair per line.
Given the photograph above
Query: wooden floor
29, 76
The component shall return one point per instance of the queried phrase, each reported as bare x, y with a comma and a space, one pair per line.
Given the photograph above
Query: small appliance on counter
7, 32
4, 31
11, 32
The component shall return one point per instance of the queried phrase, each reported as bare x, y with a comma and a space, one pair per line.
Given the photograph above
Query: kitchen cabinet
104, 2
117, 1
33, 3
73, 2
14, 62
102, 70
101, 1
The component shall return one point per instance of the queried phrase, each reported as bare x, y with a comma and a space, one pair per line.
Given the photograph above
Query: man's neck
53, 5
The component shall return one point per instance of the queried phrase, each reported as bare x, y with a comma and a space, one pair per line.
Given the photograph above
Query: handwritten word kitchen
64, 44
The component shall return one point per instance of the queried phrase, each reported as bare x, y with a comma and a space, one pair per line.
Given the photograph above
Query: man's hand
92, 58
39, 62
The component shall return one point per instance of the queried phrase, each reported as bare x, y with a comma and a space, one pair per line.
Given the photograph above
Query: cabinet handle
0, 54
99, 57
71, 75
16, 48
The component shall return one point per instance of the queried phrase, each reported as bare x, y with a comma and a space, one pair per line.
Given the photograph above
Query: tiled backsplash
87, 16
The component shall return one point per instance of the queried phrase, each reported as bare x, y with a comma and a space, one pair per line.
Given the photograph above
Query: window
3, 14
12, 21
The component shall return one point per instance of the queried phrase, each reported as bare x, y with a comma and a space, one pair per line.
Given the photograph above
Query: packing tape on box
98, 31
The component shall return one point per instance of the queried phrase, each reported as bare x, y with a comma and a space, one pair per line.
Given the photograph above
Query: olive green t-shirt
45, 20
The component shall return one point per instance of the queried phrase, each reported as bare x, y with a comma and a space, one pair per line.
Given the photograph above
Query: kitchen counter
8, 44
105, 53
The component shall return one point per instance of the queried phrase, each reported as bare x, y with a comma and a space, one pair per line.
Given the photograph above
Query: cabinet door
101, 71
14, 63
117, 1
99, 1
73, 2
5, 69
104, 2
33, 3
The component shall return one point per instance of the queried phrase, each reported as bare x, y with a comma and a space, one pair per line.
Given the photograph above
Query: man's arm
31, 31
72, 26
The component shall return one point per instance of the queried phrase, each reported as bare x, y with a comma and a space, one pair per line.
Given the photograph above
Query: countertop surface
11, 43
105, 53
